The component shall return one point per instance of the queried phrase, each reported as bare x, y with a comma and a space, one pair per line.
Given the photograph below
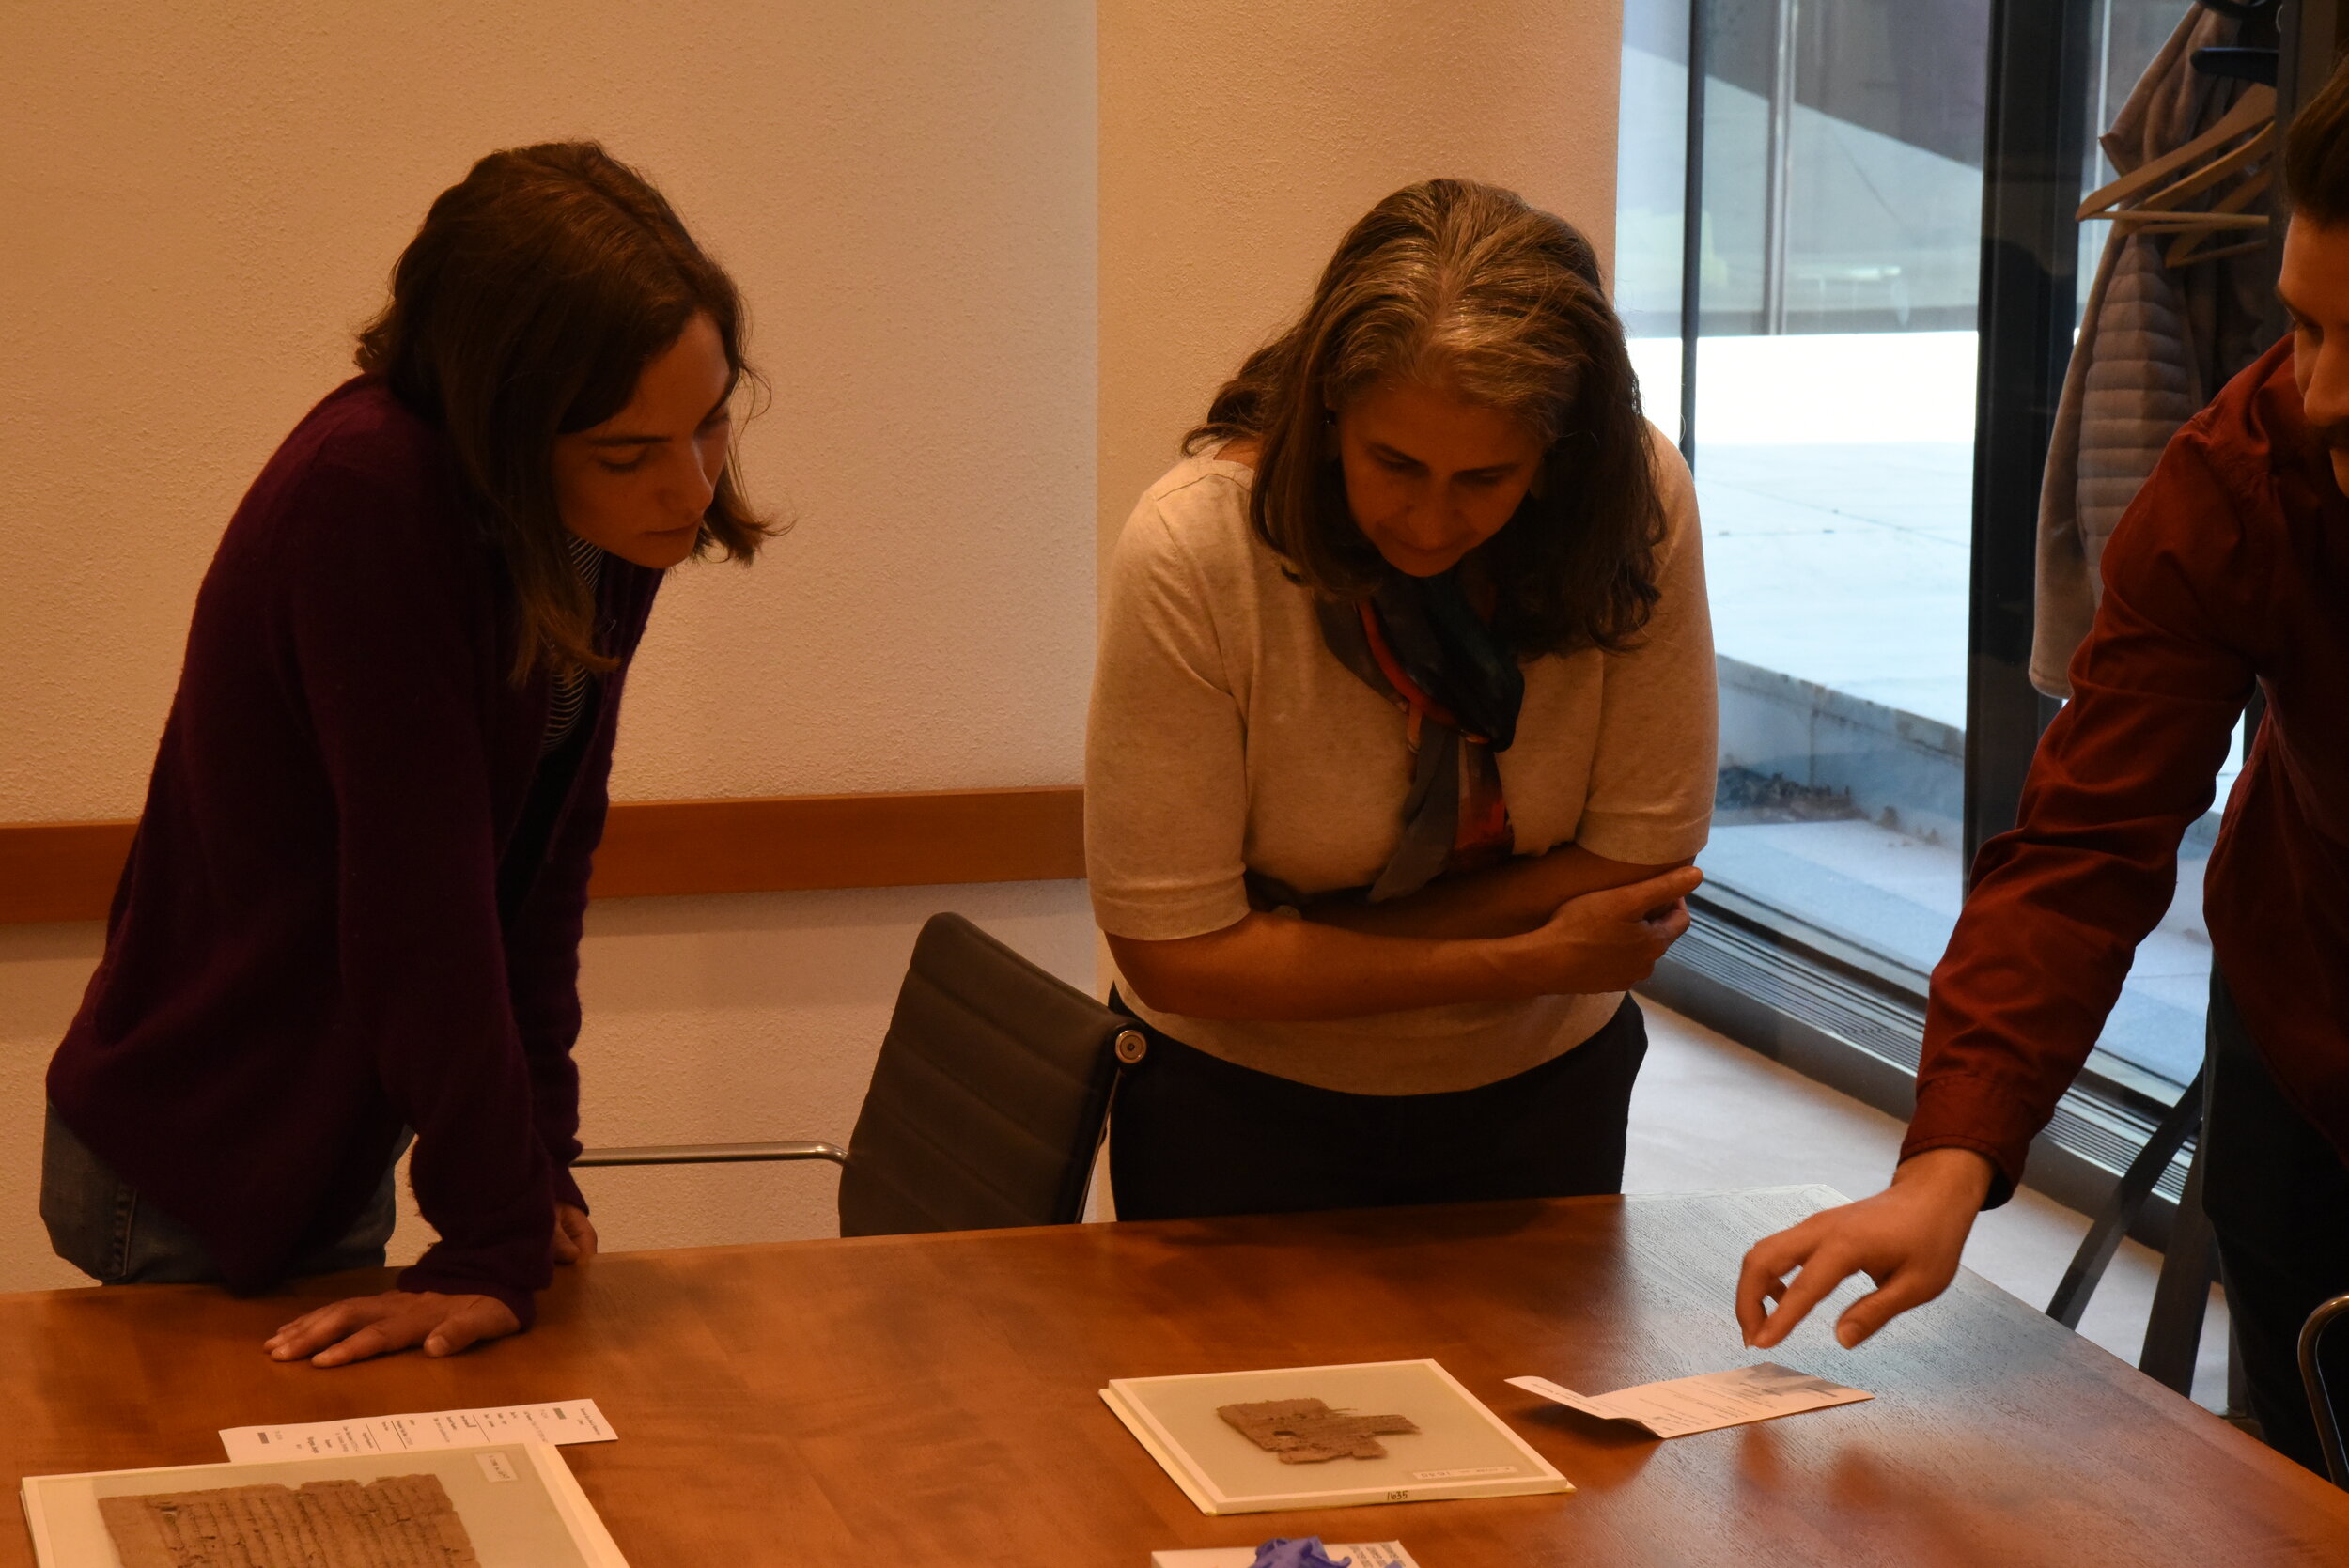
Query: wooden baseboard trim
842, 841
62, 871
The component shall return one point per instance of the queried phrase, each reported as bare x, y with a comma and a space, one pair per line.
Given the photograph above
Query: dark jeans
107, 1229
1193, 1134
2278, 1197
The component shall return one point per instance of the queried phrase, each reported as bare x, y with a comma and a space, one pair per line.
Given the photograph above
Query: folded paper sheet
1706, 1403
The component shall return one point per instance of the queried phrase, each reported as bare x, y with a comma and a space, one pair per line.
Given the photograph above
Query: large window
1839, 255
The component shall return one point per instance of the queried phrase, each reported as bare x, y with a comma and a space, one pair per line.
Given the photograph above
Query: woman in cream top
1402, 738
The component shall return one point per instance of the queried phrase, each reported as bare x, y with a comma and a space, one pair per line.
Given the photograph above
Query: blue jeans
104, 1227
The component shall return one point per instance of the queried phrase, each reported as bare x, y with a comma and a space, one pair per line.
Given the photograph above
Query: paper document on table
1709, 1400
501, 1505
570, 1420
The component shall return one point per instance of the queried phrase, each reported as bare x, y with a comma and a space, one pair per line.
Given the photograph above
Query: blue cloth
1444, 645
112, 1232
1308, 1553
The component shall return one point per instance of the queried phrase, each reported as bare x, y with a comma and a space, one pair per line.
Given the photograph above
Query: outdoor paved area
1834, 474
1844, 565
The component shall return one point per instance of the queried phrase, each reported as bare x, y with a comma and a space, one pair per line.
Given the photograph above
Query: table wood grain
933, 1399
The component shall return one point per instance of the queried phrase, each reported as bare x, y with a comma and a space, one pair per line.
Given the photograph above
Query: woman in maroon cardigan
353, 906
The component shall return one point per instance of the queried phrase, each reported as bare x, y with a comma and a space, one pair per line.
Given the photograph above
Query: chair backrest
987, 1103
2320, 1396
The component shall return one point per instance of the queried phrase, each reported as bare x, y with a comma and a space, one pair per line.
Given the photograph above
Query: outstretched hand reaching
1907, 1239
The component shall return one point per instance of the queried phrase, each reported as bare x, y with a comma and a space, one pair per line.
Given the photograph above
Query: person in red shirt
352, 910
2230, 571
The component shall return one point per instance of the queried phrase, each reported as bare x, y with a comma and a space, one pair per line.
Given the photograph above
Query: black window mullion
1693, 230
2034, 143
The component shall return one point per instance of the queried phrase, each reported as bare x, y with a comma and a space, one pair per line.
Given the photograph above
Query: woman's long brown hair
1464, 286
525, 308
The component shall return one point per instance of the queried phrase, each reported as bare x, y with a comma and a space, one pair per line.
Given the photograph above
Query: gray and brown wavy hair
1465, 287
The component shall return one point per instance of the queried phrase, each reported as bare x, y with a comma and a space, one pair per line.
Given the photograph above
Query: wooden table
931, 1400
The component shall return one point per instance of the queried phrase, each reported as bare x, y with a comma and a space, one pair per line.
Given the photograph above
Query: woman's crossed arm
1567, 922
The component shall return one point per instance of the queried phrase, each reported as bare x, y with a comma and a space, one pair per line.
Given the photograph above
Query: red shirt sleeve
2060, 904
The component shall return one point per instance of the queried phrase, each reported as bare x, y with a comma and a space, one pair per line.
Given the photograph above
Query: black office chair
2320, 1397
2189, 1264
987, 1106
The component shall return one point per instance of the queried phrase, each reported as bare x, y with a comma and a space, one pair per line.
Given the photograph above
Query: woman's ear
1539, 485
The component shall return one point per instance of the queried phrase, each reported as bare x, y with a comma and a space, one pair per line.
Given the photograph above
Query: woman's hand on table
1907, 1238
365, 1325
1607, 941
574, 1234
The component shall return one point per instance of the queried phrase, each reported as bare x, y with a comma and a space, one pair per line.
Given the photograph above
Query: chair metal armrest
2320, 1399
711, 1154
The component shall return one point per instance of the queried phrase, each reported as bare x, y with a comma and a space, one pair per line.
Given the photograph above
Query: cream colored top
1225, 735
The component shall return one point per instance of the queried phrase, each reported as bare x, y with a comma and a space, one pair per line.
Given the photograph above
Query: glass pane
1840, 253
2153, 1038
1835, 388
1651, 174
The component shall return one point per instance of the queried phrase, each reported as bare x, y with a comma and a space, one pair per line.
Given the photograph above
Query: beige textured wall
202, 201
198, 203
1239, 141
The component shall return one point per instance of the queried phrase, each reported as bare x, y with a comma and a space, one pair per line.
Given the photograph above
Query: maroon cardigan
307, 951
2231, 566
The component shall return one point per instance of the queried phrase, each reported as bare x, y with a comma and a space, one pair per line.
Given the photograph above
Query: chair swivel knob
1131, 1047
